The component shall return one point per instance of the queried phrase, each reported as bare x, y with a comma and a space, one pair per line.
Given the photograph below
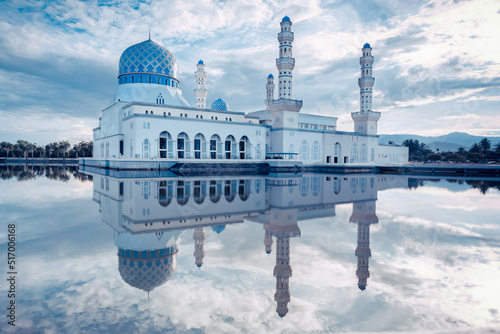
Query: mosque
151, 122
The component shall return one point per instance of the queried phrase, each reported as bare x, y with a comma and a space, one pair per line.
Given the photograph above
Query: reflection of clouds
21, 193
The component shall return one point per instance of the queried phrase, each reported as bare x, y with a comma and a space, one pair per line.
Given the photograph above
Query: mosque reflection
149, 214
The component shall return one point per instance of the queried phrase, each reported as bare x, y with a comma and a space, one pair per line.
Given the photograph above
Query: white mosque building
151, 122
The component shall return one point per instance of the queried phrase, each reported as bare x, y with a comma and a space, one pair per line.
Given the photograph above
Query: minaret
199, 244
363, 214
200, 93
283, 110
365, 120
285, 63
269, 90
268, 242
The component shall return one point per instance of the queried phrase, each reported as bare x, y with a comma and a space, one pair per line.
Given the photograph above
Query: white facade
150, 119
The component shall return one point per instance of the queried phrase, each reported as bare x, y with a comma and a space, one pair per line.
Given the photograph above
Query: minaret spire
200, 92
269, 90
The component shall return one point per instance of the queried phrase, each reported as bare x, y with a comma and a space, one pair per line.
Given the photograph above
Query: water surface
284, 254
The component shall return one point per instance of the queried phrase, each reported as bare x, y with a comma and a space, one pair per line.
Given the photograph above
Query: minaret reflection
268, 242
363, 214
199, 245
283, 226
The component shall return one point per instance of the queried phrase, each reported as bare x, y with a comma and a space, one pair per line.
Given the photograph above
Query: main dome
150, 58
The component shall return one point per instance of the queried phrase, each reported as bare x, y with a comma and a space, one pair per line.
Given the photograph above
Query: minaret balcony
366, 82
288, 35
366, 116
366, 59
286, 62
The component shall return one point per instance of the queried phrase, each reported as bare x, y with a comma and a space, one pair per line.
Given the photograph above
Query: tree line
60, 150
58, 173
479, 152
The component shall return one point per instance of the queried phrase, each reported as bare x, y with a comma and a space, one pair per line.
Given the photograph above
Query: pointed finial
148, 296
149, 34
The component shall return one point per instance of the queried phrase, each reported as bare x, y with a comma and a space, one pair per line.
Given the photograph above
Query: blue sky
436, 62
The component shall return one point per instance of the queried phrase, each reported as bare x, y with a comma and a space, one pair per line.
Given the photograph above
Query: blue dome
148, 269
286, 19
362, 287
200, 62
218, 228
148, 57
366, 45
219, 105
270, 76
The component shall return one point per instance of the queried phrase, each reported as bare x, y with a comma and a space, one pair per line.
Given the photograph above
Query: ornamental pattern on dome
219, 105
148, 57
147, 274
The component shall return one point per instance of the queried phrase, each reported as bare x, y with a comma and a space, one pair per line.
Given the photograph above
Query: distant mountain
450, 142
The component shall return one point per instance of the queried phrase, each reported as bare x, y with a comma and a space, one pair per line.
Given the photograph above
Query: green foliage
61, 149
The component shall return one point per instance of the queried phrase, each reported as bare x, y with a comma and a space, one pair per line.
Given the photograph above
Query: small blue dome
286, 19
198, 265
200, 62
218, 228
362, 287
270, 76
366, 45
268, 252
219, 105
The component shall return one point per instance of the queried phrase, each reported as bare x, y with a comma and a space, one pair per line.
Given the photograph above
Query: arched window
354, 153
336, 185
337, 153
200, 147
372, 156
362, 153
230, 147
315, 151
165, 192
304, 151
183, 190
244, 189
243, 147
183, 146
165, 145
354, 185
215, 147
215, 190
199, 191
304, 186
362, 184
230, 190
315, 185
146, 149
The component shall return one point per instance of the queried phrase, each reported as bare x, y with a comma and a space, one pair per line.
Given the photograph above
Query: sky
436, 62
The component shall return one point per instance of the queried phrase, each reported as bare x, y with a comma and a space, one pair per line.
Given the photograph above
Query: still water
250, 254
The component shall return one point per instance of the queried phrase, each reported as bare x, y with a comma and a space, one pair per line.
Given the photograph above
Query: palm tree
485, 144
